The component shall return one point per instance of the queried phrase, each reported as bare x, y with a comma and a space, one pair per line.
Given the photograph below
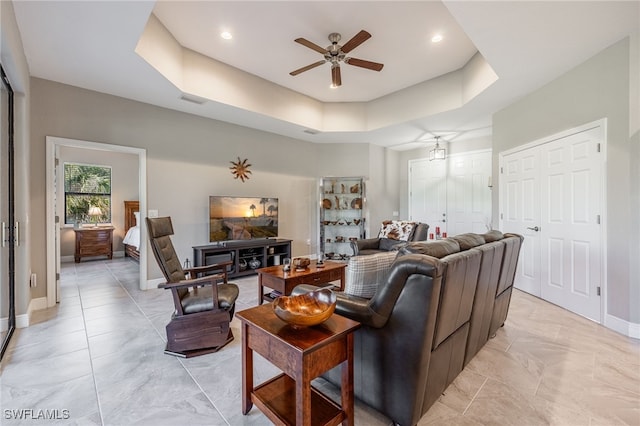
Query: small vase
254, 263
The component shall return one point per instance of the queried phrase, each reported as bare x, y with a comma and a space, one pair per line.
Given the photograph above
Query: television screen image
242, 218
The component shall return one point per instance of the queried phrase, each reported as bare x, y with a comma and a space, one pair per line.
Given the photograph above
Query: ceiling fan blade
310, 45
307, 68
356, 41
336, 78
375, 66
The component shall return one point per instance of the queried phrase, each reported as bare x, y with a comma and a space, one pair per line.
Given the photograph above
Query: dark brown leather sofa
439, 306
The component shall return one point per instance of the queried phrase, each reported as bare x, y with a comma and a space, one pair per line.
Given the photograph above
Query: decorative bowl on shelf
326, 203
307, 309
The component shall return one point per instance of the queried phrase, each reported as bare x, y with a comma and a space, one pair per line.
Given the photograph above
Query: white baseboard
153, 284
621, 326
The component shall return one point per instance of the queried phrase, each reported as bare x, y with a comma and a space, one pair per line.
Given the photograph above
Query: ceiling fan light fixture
335, 53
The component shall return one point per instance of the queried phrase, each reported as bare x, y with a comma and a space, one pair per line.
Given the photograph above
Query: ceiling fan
336, 53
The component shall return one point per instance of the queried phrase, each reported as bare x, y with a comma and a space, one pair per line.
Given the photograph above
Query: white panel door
570, 208
468, 193
520, 189
551, 193
428, 193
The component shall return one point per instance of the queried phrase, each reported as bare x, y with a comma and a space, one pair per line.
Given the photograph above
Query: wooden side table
302, 354
276, 278
95, 241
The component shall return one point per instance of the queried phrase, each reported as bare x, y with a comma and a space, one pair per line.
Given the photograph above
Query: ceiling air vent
193, 99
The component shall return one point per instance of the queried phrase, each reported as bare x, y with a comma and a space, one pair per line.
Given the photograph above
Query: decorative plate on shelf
356, 203
326, 203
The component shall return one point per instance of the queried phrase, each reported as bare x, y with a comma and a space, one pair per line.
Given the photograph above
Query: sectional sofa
425, 318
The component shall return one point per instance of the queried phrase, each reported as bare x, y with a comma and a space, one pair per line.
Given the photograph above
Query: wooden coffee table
302, 354
276, 278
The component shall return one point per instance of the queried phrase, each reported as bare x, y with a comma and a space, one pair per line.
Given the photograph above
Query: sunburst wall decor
240, 169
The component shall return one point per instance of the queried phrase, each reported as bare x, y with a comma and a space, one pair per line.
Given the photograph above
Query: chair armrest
367, 243
358, 309
197, 270
195, 282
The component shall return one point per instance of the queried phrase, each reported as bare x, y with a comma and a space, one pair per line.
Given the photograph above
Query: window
85, 188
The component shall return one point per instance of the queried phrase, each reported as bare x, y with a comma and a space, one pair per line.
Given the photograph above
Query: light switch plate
153, 213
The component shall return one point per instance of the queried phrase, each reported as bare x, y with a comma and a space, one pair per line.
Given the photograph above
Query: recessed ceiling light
226, 35
436, 38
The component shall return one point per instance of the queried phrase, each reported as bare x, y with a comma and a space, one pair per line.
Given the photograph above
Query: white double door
552, 194
453, 194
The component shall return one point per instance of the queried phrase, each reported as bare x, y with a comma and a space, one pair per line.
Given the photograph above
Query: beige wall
124, 186
188, 160
598, 88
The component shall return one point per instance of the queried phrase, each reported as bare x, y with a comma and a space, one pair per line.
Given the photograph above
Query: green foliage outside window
86, 186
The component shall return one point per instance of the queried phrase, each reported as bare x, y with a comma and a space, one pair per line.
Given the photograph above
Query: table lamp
95, 212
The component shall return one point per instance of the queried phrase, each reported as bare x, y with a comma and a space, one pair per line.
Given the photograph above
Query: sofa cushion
493, 235
439, 249
397, 230
469, 240
365, 273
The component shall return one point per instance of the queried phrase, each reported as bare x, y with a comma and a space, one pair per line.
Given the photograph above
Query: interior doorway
53, 144
552, 193
453, 195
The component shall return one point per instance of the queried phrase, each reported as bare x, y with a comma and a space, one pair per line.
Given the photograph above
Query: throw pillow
400, 230
365, 273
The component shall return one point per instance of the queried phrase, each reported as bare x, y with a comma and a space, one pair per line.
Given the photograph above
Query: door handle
535, 228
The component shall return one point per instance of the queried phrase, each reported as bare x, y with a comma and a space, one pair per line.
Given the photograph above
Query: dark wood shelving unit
267, 251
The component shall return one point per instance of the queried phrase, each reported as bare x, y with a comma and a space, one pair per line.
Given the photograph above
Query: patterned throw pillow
400, 230
365, 273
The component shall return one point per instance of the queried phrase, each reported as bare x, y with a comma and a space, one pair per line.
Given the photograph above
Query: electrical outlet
32, 281
153, 213
396, 214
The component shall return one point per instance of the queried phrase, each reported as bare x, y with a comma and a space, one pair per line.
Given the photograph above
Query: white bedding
133, 237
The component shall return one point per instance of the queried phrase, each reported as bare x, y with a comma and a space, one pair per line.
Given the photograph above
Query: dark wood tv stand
268, 251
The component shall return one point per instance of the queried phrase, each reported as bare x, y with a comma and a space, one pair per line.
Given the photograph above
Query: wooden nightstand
96, 241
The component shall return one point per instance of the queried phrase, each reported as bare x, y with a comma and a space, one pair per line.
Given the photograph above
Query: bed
132, 229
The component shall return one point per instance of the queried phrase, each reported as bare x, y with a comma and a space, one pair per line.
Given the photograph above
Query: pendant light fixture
437, 153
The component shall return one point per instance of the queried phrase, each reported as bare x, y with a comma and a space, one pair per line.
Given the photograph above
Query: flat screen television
242, 218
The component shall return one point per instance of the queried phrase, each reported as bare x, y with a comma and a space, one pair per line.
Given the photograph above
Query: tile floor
97, 359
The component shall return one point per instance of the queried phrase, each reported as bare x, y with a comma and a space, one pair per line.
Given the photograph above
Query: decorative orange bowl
307, 309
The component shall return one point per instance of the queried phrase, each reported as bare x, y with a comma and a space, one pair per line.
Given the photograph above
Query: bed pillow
137, 216
365, 273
